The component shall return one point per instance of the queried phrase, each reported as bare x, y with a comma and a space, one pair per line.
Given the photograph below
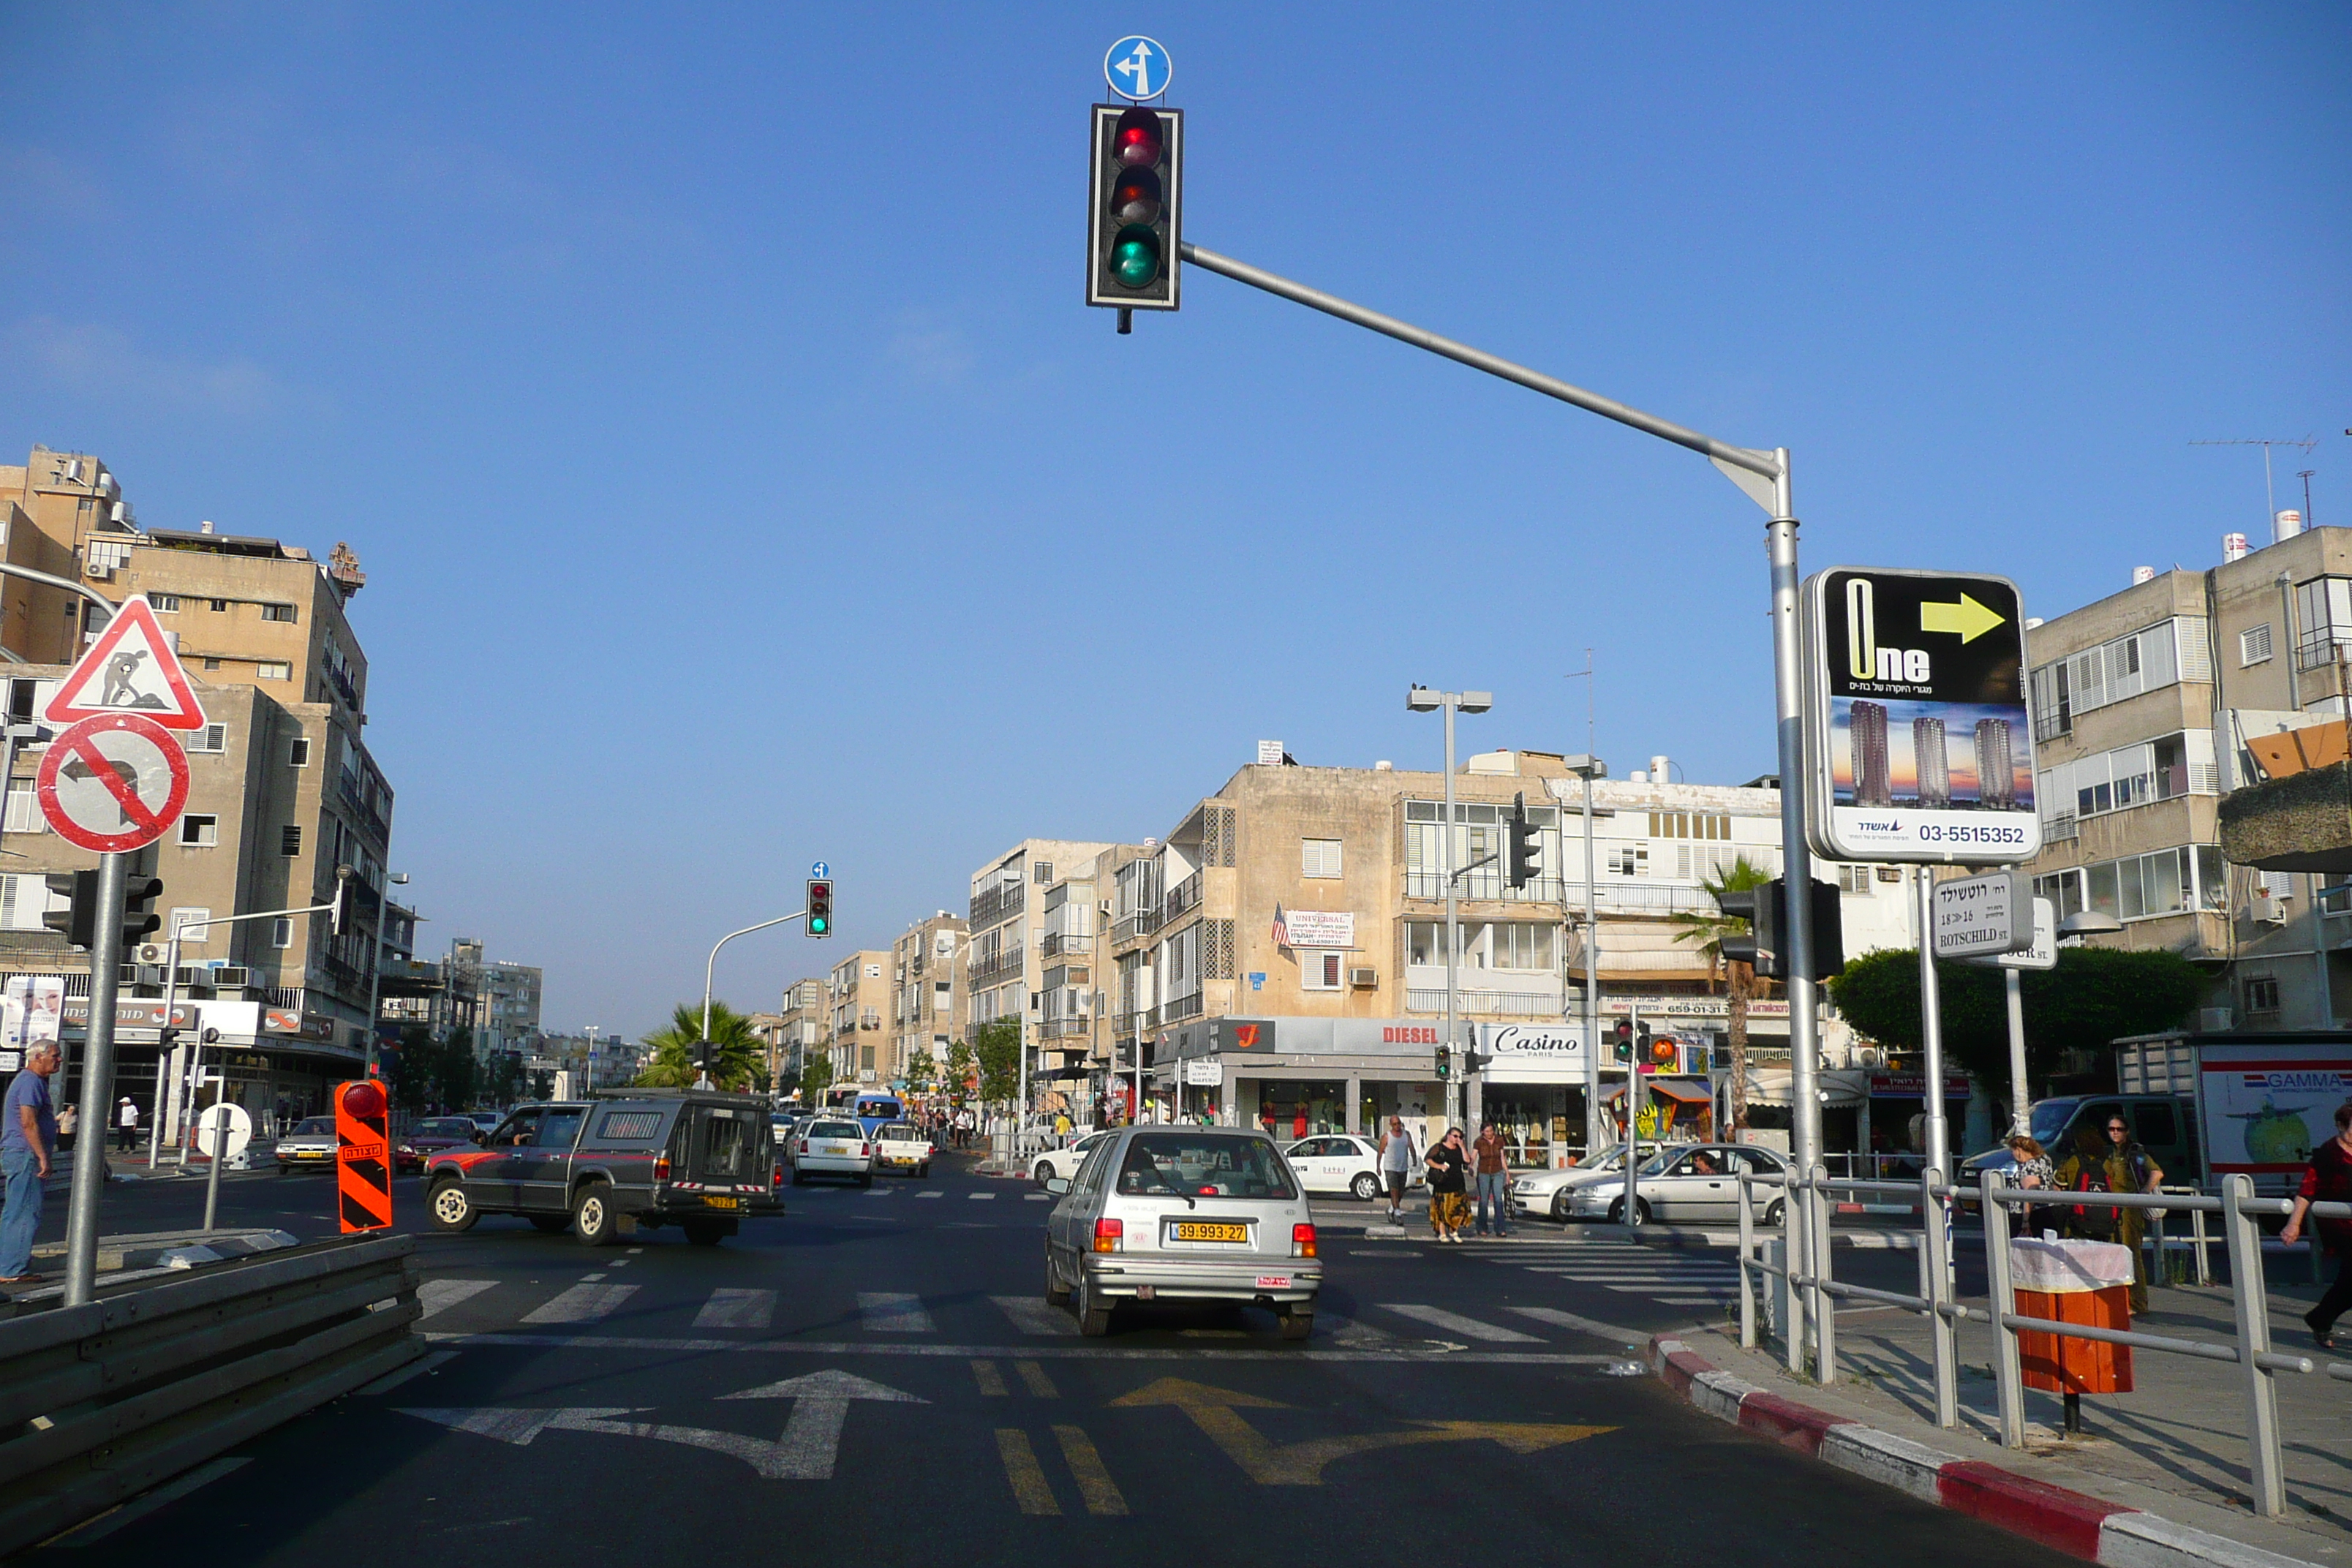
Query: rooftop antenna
2270, 495
2305, 475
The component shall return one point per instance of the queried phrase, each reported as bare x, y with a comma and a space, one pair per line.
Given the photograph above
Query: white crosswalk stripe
732, 1309
440, 1295
1032, 1316
1456, 1323
890, 1313
878, 1193
931, 1195
1039, 1197
981, 1197
581, 1304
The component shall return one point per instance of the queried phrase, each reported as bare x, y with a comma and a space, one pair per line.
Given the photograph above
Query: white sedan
1343, 1162
830, 1146
1063, 1163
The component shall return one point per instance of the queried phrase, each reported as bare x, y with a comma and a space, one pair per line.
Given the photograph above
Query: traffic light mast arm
1769, 466
712, 968
1482, 860
67, 584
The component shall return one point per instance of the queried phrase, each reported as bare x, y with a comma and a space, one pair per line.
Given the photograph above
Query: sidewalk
2175, 1448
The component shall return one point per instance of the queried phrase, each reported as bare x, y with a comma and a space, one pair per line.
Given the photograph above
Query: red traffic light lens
1138, 140
1135, 197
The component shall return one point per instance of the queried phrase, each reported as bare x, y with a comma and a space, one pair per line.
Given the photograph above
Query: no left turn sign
113, 783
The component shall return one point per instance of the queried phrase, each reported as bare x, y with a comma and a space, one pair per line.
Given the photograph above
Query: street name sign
1918, 747
112, 784
2043, 954
131, 668
1976, 917
1136, 68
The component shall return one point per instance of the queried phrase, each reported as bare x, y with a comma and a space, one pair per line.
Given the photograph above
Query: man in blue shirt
28, 1135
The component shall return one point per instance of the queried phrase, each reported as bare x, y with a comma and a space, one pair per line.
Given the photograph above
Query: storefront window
1290, 1108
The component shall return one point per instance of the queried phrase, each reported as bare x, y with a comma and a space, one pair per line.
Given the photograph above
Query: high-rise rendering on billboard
1872, 784
1934, 768
1996, 769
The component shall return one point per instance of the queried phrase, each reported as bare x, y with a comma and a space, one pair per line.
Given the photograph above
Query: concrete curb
2071, 1521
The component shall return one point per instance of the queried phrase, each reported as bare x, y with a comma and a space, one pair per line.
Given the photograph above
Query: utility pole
1589, 767
1422, 699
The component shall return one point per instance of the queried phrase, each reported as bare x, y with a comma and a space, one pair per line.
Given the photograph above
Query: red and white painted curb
2087, 1526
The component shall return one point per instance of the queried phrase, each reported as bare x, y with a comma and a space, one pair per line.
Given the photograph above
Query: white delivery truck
2262, 1101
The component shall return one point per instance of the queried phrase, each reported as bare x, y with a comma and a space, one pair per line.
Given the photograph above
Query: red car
436, 1135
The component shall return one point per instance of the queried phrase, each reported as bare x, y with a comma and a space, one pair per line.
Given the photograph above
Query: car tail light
1302, 1241
661, 1167
1109, 1235
776, 1176
865, 1150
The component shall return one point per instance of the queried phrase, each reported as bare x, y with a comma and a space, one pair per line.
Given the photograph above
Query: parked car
697, 1159
1549, 1192
435, 1133
832, 1146
1344, 1162
486, 1121
1065, 1163
311, 1146
1682, 1186
903, 1146
1190, 1214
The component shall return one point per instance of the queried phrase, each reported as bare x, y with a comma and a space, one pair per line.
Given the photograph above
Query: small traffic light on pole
1522, 846
1624, 1041
1766, 910
78, 921
139, 917
819, 920
1444, 1062
1134, 220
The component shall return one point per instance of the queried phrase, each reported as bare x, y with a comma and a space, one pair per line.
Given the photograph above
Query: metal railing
1800, 1207
1061, 942
1184, 896
1505, 1004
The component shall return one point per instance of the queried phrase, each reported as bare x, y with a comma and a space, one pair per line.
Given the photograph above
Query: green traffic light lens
1135, 257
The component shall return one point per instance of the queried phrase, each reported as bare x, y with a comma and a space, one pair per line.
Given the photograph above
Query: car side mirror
1057, 1185
479, 1138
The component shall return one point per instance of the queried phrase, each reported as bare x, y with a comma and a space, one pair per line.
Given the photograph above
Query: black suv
601, 1168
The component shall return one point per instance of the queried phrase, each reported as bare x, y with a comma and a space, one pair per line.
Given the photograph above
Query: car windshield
2050, 1120
316, 1127
445, 1127
833, 1130
1183, 1165
896, 1132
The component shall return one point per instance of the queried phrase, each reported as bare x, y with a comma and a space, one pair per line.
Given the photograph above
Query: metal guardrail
1810, 1325
101, 1400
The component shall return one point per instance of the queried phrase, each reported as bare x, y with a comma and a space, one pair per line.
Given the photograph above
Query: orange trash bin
2085, 1282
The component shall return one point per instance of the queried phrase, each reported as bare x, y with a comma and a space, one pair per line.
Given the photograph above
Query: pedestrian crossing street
600, 1303
1672, 1277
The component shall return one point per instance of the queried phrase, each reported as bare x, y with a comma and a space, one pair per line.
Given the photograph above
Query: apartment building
1282, 950
282, 788
807, 1029
857, 1000
927, 1004
1004, 968
510, 1002
2143, 703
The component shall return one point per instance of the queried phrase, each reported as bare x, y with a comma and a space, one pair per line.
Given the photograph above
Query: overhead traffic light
78, 921
1625, 1043
1522, 846
819, 922
1764, 943
1133, 223
139, 917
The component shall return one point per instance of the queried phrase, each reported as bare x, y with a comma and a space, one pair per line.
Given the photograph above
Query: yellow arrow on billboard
1217, 1413
1968, 618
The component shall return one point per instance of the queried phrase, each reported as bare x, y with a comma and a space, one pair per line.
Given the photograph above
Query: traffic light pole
702, 1074
97, 1082
1763, 476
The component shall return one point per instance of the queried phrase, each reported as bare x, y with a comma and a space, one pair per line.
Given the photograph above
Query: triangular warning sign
131, 668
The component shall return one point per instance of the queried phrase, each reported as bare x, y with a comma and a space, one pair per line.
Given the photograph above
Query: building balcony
992, 906
1002, 966
1181, 899
1487, 883
1181, 1008
1631, 897
1136, 926
1065, 1029
1499, 1003
2061, 828
1058, 943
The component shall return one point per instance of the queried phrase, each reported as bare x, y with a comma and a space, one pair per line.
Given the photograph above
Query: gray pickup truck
605, 1167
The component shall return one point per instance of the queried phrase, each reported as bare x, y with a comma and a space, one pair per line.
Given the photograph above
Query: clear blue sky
708, 393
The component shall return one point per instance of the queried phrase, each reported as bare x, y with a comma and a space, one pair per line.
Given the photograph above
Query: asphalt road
875, 1378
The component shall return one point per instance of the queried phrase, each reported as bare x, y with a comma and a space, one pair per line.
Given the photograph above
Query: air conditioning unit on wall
2269, 909
1363, 979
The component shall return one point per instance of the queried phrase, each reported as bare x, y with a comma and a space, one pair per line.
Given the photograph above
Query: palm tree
735, 1058
1709, 930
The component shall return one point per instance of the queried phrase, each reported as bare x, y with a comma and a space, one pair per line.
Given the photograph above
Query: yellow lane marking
991, 1381
1021, 1468
1217, 1413
1033, 1376
1086, 1464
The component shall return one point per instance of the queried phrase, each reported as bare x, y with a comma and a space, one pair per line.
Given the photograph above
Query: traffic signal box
1134, 218
363, 1156
1522, 846
818, 921
77, 922
1763, 944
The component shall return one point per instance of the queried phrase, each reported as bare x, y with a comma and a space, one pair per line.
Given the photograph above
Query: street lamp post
1422, 699
703, 1080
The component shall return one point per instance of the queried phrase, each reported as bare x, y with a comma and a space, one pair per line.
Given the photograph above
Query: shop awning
1842, 1086
1689, 1094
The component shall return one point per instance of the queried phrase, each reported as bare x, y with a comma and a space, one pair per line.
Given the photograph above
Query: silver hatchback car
1182, 1214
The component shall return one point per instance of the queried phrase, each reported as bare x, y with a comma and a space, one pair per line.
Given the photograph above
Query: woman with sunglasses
2122, 1167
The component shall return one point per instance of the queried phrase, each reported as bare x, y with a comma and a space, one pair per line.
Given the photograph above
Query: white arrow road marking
812, 1438
807, 1452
